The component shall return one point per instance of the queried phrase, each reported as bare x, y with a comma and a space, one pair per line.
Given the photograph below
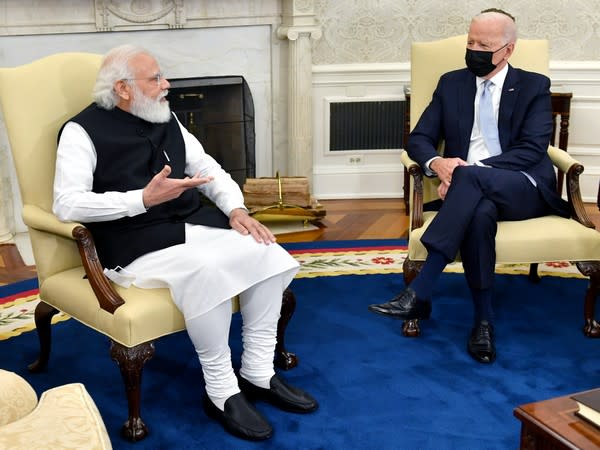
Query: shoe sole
483, 360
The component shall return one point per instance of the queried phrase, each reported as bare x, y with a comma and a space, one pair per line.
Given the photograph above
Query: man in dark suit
496, 122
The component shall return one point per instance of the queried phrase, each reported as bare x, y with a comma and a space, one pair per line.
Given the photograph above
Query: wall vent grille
372, 125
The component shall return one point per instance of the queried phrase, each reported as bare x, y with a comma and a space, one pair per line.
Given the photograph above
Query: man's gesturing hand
162, 188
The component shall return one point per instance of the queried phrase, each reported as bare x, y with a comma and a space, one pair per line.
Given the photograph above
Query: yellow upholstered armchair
36, 99
532, 241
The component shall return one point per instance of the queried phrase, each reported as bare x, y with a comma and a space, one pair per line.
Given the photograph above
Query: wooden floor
345, 220
12, 267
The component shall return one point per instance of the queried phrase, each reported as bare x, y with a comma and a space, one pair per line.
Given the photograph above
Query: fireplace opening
219, 111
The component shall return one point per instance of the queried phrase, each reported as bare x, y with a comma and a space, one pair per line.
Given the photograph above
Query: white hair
508, 22
114, 67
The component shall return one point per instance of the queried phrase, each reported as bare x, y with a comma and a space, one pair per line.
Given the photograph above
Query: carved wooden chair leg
284, 359
591, 328
410, 269
534, 277
131, 362
43, 323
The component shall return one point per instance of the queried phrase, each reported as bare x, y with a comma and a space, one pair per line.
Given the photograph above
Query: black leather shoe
281, 394
240, 418
481, 343
405, 305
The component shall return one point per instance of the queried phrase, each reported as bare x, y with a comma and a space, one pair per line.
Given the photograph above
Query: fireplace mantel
266, 42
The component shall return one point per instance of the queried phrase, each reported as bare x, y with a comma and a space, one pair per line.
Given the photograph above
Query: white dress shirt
477, 147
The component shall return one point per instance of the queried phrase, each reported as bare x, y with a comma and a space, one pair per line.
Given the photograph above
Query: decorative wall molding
28, 17
111, 14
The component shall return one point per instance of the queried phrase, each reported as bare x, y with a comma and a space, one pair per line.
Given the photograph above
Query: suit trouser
477, 199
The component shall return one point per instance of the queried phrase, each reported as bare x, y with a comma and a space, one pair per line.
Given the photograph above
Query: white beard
149, 109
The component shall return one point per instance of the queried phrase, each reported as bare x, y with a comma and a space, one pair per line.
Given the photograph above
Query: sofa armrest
65, 417
17, 398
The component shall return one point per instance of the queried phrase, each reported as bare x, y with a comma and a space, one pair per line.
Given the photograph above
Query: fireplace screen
219, 111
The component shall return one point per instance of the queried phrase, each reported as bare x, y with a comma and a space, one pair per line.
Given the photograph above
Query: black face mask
480, 62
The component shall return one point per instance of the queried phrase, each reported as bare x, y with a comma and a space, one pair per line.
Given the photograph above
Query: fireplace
219, 111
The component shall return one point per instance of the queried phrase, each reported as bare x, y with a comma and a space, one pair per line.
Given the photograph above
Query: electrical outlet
354, 160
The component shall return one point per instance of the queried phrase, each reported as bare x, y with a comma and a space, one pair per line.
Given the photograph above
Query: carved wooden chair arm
108, 298
561, 159
42, 220
569, 165
416, 202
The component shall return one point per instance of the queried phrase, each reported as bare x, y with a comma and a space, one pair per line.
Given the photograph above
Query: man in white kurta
205, 271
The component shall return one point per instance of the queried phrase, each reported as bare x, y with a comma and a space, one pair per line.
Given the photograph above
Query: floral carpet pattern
326, 259
381, 259
17, 309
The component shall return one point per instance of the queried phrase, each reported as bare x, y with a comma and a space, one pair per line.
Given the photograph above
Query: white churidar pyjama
203, 275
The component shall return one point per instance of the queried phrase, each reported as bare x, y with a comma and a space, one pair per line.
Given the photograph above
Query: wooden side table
552, 424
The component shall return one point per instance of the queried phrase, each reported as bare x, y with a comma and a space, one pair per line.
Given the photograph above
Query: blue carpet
320, 245
377, 389
18, 287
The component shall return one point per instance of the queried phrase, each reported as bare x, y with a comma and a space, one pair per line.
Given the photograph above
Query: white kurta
211, 267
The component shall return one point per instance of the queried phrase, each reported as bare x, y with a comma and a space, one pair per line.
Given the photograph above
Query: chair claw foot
134, 429
591, 328
411, 328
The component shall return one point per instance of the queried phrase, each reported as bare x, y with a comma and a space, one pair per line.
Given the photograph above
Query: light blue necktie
487, 122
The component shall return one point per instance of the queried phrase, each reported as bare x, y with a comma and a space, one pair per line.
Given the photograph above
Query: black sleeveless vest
130, 151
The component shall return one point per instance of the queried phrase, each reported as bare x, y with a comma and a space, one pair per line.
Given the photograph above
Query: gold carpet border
386, 261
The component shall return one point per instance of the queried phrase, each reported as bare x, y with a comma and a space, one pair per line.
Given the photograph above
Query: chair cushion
146, 315
66, 417
527, 241
17, 397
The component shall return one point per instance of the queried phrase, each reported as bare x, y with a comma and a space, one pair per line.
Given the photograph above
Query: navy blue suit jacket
524, 126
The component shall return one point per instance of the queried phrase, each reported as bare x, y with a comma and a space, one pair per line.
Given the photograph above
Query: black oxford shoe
405, 305
281, 395
481, 343
240, 418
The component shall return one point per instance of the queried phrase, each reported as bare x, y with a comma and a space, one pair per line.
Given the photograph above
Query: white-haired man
496, 122
133, 174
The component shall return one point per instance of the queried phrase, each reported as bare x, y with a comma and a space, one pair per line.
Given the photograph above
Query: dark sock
482, 301
429, 274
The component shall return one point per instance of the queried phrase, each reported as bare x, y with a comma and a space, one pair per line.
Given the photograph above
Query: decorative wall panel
368, 31
114, 14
